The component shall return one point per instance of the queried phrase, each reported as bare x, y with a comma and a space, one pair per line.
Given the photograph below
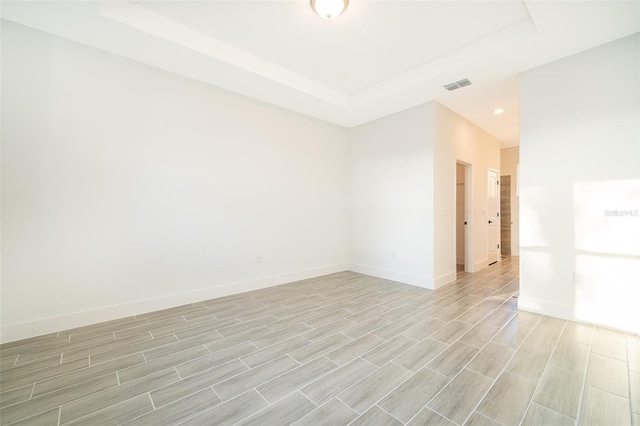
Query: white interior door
493, 212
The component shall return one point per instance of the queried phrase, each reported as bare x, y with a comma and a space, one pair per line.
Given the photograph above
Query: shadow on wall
607, 253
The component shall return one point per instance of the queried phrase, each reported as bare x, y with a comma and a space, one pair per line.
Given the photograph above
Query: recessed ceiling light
498, 111
329, 9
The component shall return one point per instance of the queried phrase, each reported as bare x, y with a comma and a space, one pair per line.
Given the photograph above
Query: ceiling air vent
458, 84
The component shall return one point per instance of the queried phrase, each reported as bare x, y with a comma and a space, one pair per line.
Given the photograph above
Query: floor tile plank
600, 408
230, 412
508, 399
337, 381
372, 388
241, 383
332, 413
560, 390
410, 397
458, 399
179, 410
285, 412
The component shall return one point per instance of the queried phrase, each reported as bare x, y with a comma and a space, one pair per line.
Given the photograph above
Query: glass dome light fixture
329, 9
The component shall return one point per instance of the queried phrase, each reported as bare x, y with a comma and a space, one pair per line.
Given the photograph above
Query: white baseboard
545, 308
561, 311
393, 276
480, 265
11, 332
445, 279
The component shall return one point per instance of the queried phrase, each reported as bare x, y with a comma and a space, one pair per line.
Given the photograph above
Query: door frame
511, 182
497, 172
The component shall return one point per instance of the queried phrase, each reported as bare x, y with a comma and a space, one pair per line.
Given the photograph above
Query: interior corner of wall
444, 279
400, 277
544, 307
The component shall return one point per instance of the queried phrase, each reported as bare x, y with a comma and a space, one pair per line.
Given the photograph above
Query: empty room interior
323, 212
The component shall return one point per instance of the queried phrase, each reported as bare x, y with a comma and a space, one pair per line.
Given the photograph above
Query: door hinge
498, 245
465, 222
498, 214
498, 182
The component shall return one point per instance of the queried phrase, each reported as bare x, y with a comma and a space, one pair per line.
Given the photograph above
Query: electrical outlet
258, 258
577, 279
394, 253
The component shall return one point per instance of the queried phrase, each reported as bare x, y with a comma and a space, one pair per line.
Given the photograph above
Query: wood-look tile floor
336, 350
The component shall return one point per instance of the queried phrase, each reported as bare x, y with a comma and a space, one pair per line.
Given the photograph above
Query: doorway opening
505, 216
464, 187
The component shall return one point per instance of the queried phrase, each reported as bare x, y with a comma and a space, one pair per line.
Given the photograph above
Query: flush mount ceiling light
329, 9
498, 111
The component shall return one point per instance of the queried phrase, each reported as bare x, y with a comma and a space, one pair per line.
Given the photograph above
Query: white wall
391, 197
509, 159
457, 139
579, 158
402, 191
127, 189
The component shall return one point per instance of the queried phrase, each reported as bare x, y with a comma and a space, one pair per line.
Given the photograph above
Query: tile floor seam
370, 363
33, 387
385, 395
550, 409
119, 402
175, 367
255, 388
312, 411
290, 357
152, 403
214, 391
611, 358
488, 418
435, 411
337, 397
379, 407
259, 384
211, 368
317, 406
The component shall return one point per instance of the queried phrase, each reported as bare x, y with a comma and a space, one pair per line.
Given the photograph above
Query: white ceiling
378, 58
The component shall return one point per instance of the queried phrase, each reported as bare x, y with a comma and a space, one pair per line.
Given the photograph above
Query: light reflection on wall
607, 244
532, 235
